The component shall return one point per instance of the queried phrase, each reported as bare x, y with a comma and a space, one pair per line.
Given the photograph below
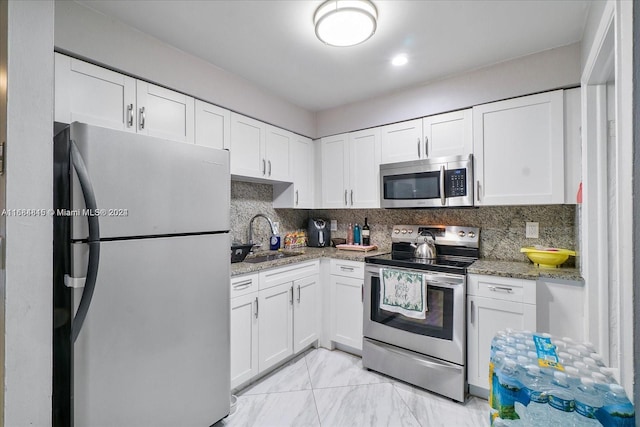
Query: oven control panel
452, 235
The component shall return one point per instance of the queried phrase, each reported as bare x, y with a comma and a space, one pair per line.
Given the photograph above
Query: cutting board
359, 248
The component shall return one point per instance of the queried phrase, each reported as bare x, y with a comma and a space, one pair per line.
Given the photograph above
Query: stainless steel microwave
427, 183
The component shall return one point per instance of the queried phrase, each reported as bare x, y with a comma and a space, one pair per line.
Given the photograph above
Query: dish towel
403, 292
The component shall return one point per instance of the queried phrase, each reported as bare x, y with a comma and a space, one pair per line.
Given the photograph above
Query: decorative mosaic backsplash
502, 228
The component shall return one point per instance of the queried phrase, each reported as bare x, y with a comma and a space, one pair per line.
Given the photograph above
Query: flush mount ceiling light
399, 60
345, 22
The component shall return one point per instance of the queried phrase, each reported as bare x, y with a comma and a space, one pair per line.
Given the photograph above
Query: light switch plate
532, 230
334, 225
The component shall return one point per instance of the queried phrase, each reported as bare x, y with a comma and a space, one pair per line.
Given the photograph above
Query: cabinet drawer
353, 269
288, 273
243, 285
503, 288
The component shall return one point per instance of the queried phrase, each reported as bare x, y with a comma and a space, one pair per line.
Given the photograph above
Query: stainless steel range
420, 339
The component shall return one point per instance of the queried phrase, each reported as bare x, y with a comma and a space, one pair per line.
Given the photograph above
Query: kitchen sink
271, 257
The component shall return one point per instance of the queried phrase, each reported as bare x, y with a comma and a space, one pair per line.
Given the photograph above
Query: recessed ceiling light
399, 60
345, 22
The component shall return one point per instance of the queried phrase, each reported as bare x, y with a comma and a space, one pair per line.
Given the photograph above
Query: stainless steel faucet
273, 230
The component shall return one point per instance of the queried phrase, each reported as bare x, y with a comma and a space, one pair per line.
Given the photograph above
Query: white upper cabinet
213, 125
278, 153
402, 142
350, 170
335, 171
94, 95
300, 194
259, 151
364, 169
164, 113
91, 94
519, 150
449, 134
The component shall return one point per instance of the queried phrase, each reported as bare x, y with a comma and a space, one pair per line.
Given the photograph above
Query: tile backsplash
502, 228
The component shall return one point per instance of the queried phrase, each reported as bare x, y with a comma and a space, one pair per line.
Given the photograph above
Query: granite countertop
308, 254
523, 270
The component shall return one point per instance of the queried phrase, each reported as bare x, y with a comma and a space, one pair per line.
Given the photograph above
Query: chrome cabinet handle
345, 198
362, 293
269, 161
296, 197
351, 197
142, 118
299, 294
241, 285
291, 300
471, 314
500, 289
418, 147
426, 147
343, 268
443, 197
256, 313
129, 115
478, 190
264, 167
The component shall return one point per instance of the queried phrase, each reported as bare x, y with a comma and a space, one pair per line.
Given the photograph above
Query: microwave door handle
443, 197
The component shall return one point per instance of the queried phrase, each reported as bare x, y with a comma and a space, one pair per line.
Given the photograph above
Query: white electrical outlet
334, 225
532, 230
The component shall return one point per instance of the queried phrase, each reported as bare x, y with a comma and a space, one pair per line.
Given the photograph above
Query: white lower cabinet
274, 314
275, 331
493, 304
347, 287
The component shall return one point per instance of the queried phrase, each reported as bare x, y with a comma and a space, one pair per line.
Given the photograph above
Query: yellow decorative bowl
547, 257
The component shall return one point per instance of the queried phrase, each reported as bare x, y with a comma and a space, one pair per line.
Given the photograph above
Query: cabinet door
164, 113
247, 147
305, 312
402, 142
275, 314
448, 134
519, 150
364, 169
346, 307
335, 167
485, 317
244, 338
94, 95
212, 125
303, 172
278, 154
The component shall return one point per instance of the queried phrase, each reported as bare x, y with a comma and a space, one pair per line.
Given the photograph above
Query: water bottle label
562, 404
616, 415
585, 410
538, 396
547, 357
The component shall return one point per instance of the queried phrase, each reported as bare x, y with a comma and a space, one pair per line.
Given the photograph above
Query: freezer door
148, 186
154, 349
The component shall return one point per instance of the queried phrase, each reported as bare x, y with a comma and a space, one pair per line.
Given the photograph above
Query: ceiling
273, 45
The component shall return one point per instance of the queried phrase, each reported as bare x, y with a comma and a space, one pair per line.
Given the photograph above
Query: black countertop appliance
318, 233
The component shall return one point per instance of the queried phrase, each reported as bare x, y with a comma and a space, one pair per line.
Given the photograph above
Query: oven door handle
443, 197
427, 363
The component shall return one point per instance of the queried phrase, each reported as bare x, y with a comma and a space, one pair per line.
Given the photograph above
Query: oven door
441, 334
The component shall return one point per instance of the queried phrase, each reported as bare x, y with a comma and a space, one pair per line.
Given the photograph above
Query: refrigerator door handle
93, 240
74, 282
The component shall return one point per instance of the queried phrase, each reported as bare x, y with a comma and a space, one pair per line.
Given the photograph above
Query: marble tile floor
331, 389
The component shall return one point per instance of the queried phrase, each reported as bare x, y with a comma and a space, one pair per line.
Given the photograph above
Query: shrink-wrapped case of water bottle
537, 379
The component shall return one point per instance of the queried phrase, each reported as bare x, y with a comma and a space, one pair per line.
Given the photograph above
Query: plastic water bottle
588, 401
573, 376
509, 388
598, 359
536, 389
561, 401
617, 410
495, 365
601, 382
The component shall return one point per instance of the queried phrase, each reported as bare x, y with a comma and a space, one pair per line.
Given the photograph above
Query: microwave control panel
456, 182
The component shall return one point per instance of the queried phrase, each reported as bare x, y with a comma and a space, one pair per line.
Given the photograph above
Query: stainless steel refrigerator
141, 280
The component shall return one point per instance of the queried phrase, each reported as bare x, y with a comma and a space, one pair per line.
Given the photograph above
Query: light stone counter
523, 270
308, 254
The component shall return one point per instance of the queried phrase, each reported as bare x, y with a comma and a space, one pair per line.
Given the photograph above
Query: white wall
551, 69
83, 32
26, 278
